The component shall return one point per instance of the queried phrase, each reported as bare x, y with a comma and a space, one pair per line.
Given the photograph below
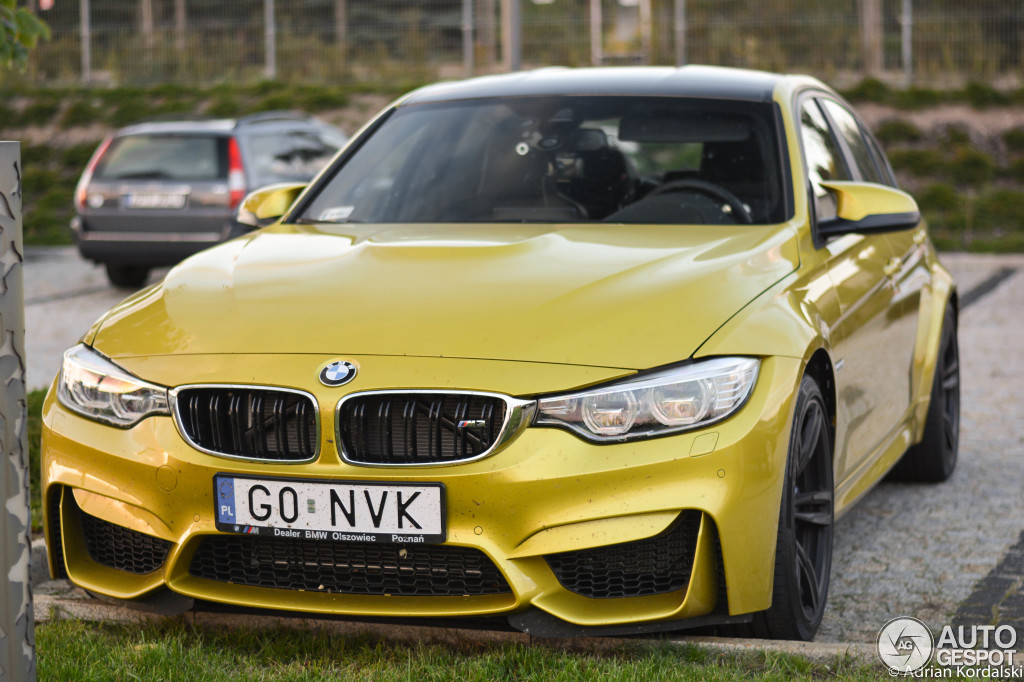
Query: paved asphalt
948, 554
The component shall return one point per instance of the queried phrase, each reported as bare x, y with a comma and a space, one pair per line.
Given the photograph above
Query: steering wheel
739, 211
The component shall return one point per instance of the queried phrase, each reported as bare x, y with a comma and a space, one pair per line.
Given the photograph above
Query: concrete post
17, 636
872, 50
907, 34
680, 30
270, 40
467, 36
512, 34
596, 33
83, 20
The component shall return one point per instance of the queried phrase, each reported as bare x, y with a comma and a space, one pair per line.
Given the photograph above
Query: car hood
601, 295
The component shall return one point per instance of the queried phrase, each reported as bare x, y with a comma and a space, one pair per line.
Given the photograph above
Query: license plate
340, 511
154, 200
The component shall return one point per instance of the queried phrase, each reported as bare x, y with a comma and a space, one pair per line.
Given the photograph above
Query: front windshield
562, 160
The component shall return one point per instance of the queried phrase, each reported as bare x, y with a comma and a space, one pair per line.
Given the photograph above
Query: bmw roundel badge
337, 373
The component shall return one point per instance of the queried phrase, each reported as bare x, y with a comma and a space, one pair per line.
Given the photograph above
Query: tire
803, 551
127, 276
934, 458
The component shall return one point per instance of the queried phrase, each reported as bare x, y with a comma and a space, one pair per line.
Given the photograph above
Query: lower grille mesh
122, 548
348, 568
632, 569
60, 570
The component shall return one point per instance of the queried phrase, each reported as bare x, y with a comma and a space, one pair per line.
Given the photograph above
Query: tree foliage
20, 30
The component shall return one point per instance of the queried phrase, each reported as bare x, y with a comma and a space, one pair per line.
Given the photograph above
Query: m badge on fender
337, 373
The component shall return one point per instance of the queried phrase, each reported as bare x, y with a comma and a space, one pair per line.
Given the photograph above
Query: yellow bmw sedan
593, 351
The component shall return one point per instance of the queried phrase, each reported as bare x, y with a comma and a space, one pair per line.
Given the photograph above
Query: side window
881, 161
847, 128
823, 158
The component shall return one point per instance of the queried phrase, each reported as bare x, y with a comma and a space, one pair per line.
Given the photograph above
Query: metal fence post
83, 19
467, 36
512, 34
596, 33
270, 39
680, 30
907, 35
17, 635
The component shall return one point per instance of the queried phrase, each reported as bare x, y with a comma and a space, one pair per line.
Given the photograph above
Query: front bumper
545, 493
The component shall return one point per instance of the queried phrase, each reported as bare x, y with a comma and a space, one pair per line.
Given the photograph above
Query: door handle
892, 267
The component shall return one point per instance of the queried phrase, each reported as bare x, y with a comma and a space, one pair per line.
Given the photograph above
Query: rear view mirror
865, 207
266, 205
680, 128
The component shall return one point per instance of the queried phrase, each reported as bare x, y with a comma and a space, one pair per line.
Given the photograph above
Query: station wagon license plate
340, 511
153, 200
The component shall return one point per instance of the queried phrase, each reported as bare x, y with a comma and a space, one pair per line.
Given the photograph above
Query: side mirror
864, 208
266, 205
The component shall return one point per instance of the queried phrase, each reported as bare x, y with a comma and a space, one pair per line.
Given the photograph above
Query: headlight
683, 398
96, 388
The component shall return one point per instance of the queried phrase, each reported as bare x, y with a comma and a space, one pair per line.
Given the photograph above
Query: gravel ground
919, 550
936, 552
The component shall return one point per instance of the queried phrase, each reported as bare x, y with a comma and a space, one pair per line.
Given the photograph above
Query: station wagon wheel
127, 276
934, 458
803, 554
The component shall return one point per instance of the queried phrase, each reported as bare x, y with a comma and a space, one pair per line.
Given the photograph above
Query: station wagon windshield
562, 160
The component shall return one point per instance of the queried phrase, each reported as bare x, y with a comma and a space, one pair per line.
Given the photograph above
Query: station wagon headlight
678, 399
94, 387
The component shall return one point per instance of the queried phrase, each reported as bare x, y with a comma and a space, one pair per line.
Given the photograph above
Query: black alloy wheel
934, 458
803, 553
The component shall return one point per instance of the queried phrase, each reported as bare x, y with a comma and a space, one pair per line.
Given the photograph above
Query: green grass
73, 650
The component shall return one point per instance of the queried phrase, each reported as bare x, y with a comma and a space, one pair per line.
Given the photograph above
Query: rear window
295, 155
165, 157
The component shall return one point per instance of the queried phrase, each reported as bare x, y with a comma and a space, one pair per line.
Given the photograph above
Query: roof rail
173, 117
265, 116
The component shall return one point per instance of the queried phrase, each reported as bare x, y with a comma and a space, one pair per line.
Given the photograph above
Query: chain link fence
317, 41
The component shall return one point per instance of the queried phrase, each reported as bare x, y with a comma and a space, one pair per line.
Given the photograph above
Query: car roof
710, 82
262, 120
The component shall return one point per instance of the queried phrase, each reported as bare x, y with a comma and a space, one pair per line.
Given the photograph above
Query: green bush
869, 90
74, 158
38, 113
7, 116
46, 227
916, 98
893, 130
1014, 139
982, 95
1016, 170
954, 135
922, 163
130, 111
56, 199
35, 155
36, 181
275, 102
940, 197
35, 429
224, 107
322, 100
1000, 210
266, 87
971, 167
80, 113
